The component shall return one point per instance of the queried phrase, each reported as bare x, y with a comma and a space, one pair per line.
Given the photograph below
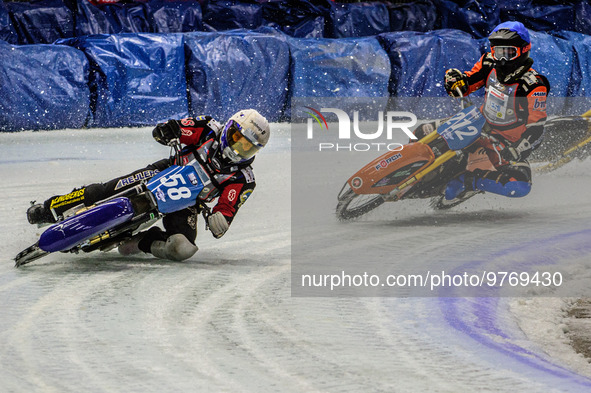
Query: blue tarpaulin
549, 16
478, 18
110, 18
7, 32
297, 18
419, 60
42, 87
136, 79
583, 17
350, 67
235, 70
580, 79
359, 20
418, 15
346, 68
554, 58
174, 16
41, 22
232, 14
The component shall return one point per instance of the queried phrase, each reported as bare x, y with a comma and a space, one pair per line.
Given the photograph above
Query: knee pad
176, 248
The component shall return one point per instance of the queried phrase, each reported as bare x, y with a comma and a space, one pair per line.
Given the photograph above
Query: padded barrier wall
142, 79
7, 32
135, 79
42, 87
43, 21
237, 69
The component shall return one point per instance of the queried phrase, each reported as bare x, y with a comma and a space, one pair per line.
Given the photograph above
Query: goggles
236, 140
508, 53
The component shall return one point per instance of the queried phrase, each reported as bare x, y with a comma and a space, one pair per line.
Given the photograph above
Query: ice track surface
225, 320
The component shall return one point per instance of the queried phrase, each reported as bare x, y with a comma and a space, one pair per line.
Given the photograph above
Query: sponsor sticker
188, 122
232, 195
244, 196
356, 182
74, 196
193, 178
148, 174
540, 104
160, 195
384, 163
248, 175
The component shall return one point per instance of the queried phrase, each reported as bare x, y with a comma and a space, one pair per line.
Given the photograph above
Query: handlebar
463, 100
175, 149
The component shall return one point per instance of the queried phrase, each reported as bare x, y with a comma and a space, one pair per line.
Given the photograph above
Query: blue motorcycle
104, 225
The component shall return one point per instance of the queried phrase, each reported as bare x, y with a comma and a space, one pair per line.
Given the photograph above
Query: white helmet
244, 135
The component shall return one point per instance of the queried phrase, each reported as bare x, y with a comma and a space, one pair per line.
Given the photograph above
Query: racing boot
457, 191
458, 186
176, 248
514, 182
38, 214
131, 246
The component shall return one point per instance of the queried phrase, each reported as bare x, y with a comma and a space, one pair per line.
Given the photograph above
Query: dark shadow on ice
113, 262
486, 217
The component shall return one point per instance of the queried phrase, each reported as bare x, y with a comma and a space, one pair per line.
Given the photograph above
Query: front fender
386, 172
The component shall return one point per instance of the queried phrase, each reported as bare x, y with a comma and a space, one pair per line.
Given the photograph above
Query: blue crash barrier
476, 17
235, 70
42, 87
297, 18
7, 32
583, 17
549, 16
232, 14
358, 20
580, 82
136, 79
110, 18
419, 60
142, 79
349, 67
554, 58
41, 22
174, 16
418, 15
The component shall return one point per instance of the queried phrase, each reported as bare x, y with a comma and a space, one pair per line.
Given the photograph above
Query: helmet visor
241, 146
505, 52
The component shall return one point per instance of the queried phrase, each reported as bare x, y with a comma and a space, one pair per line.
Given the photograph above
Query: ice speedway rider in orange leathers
224, 151
515, 112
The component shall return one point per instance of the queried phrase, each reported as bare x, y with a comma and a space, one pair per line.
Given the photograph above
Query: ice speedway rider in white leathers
226, 152
515, 112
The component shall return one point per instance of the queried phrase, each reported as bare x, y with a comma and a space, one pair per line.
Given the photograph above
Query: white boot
176, 248
130, 247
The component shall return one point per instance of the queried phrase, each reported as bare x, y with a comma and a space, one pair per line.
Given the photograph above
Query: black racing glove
454, 78
165, 132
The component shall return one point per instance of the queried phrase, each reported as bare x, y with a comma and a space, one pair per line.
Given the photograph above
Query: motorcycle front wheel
352, 205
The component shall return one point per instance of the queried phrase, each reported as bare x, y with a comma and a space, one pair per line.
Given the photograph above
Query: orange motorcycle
420, 170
